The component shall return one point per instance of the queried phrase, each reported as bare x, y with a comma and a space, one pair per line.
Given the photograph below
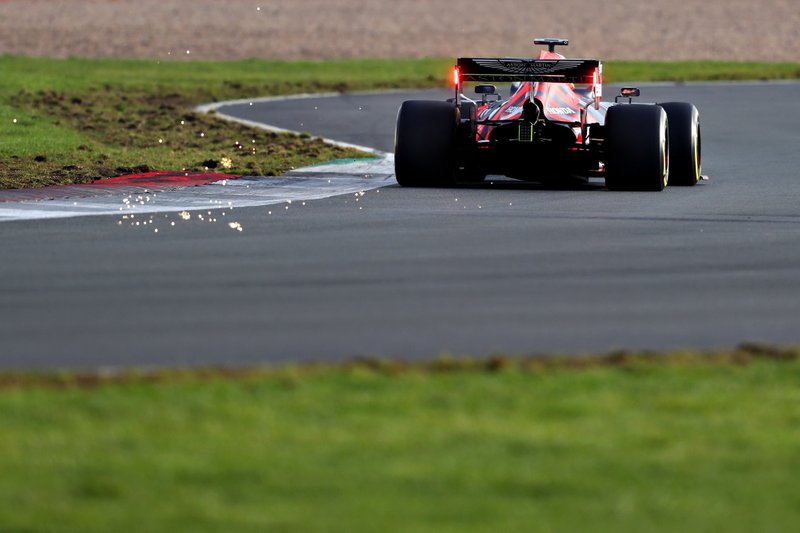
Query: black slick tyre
684, 143
636, 148
425, 144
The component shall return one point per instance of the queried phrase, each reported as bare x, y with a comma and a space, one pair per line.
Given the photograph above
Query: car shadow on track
507, 184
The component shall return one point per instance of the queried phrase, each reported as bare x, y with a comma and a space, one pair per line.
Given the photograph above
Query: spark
14, 121
235, 225
161, 141
188, 52
202, 134
185, 215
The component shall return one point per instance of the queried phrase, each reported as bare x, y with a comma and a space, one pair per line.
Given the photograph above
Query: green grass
623, 443
682, 71
84, 119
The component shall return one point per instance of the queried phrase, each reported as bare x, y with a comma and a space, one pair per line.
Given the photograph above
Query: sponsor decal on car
511, 111
560, 111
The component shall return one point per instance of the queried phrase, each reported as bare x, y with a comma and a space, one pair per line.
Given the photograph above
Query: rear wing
490, 70
516, 69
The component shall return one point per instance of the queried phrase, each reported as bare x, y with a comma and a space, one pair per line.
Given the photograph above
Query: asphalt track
411, 273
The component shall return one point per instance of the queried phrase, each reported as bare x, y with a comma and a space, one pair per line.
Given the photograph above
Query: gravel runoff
321, 29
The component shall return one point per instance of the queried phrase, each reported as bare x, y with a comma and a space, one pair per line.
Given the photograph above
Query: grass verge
689, 442
76, 120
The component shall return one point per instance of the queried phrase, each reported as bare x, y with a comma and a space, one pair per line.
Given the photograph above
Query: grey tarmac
410, 273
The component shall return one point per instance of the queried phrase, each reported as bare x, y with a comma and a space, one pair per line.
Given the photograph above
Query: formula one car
552, 127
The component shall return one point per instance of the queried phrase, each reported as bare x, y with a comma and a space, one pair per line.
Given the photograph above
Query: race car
553, 126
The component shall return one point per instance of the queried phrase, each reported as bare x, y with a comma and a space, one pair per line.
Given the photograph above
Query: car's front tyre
684, 143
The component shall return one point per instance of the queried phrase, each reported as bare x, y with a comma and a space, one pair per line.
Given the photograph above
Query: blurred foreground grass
676, 442
76, 120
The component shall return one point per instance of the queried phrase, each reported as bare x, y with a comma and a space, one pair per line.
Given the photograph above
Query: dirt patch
141, 131
207, 29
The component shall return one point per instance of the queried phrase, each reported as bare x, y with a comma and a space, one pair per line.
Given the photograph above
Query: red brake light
456, 77
597, 86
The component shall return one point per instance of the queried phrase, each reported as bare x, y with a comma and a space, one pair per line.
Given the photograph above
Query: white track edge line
215, 106
275, 129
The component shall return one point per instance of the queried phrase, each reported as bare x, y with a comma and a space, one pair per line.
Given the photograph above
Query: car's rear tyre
636, 148
684, 143
425, 144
